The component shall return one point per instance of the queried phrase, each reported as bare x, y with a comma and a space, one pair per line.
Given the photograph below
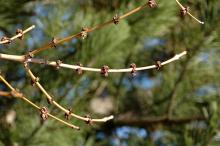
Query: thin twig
88, 30
21, 96
183, 8
5, 94
50, 99
99, 26
17, 35
132, 120
74, 67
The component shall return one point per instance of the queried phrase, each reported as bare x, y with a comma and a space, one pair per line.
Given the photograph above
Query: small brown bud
158, 64
29, 55
6, 39
20, 31
84, 33
79, 70
68, 114
54, 42
133, 71
44, 113
184, 11
33, 82
89, 121
104, 71
115, 19
152, 3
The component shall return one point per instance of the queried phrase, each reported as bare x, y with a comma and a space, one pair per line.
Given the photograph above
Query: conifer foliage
136, 73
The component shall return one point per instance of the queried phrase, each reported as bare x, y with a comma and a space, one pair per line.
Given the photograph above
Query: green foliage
151, 34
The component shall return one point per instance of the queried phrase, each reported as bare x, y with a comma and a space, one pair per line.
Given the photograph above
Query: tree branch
18, 94
149, 121
51, 100
75, 67
18, 35
185, 10
115, 20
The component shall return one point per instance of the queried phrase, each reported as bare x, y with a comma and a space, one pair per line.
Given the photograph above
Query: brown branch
87, 30
17, 94
115, 20
149, 121
28, 58
20, 33
52, 101
5, 94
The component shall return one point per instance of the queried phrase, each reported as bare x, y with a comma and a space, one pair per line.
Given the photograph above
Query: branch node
89, 119
115, 19
152, 3
104, 71
58, 63
184, 10
26, 64
20, 31
84, 33
133, 71
16, 93
26, 59
6, 39
54, 42
158, 65
44, 113
68, 114
33, 82
79, 70
50, 100
29, 55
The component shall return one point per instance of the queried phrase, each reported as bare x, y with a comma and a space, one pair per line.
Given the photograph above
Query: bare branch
185, 10
28, 58
19, 34
52, 101
87, 30
131, 120
5, 94
17, 94
84, 31
75, 67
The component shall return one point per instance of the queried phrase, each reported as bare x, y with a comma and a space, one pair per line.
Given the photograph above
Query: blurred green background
154, 108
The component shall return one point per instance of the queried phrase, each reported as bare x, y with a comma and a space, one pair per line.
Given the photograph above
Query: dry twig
28, 58
17, 94
115, 20
19, 34
185, 10
75, 67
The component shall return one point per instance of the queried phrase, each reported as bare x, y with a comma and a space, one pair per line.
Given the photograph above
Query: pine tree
175, 105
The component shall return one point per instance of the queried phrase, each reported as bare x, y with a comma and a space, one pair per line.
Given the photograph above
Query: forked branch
35, 80
29, 58
17, 94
